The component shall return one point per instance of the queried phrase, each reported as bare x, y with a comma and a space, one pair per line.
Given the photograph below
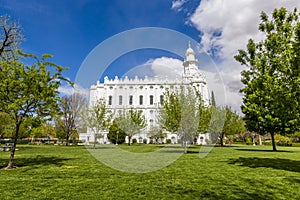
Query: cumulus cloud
162, 67
225, 27
167, 67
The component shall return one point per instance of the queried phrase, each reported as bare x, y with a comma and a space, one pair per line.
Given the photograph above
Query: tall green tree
132, 121
97, 118
28, 90
271, 102
213, 100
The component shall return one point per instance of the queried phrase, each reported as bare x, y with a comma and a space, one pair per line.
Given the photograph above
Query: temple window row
141, 100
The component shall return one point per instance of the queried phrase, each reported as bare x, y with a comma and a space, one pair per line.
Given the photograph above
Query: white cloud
225, 27
177, 4
237, 21
167, 67
69, 90
66, 90
160, 67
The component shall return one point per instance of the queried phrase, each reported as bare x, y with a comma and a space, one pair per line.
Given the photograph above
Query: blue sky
71, 29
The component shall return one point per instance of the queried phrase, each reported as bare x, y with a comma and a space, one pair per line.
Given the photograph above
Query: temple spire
190, 63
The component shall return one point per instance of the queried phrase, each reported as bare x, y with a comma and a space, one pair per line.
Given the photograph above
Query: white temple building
147, 95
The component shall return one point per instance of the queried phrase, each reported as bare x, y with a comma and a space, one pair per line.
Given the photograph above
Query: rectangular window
130, 100
120, 100
110, 100
151, 99
141, 99
161, 99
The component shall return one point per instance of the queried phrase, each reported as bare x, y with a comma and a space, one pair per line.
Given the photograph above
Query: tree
10, 39
43, 130
6, 125
31, 125
272, 80
204, 118
189, 123
233, 124
213, 100
216, 123
156, 133
131, 122
28, 90
180, 113
170, 112
97, 118
116, 135
69, 121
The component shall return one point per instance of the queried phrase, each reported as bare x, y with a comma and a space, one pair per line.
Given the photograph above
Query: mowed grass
236, 172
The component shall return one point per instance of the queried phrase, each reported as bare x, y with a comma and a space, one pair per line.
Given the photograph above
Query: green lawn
241, 172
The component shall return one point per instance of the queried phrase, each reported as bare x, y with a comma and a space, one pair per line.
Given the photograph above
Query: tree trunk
95, 140
129, 140
12, 153
273, 142
221, 139
185, 147
67, 139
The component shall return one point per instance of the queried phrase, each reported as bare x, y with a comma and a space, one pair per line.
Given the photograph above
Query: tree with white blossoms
98, 118
131, 121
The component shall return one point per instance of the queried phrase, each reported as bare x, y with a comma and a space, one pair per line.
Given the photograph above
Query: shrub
249, 141
168, 141
235, 139
145, 141
282, 140
134, 141
208, 141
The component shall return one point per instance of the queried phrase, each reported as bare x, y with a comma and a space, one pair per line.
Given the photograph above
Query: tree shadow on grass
274, 163
264, 150
36, 161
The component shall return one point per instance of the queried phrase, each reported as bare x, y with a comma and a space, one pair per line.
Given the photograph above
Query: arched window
151, 99
161, 99
130, 100
141, 99
120, 100
110, 100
